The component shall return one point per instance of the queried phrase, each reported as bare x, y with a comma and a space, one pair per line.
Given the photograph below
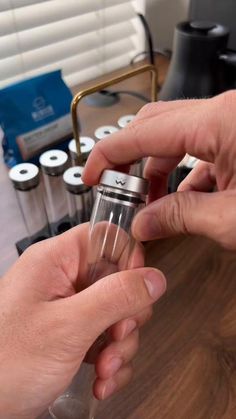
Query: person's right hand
165, 131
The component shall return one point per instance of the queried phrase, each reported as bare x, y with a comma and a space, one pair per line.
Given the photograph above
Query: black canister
196, 68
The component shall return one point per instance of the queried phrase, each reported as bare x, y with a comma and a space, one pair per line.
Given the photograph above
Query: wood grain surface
186, 366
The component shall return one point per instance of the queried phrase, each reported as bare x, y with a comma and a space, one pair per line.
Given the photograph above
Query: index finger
171, 130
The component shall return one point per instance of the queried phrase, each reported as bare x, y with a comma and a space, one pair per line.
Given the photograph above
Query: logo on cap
120, 181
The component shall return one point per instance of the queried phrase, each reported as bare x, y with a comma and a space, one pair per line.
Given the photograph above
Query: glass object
79, 196
104, 131
53, 164
119, 198
26, 181
86, 144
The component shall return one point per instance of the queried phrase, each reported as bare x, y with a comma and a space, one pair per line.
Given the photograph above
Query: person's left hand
47, 328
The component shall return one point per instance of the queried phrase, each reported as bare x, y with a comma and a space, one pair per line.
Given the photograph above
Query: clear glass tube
86, 146
110, 247
79, 206
56, 204
26, 180
79, 196
34, 213
53, 164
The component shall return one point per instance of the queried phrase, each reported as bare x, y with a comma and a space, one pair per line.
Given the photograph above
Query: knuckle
132, 290
135, 130
224, 231
226, 123
228, 97
128, 293
147, 109
128, 352
224, 236
173, 216
144, 316
149, 313
34, 252
177, 220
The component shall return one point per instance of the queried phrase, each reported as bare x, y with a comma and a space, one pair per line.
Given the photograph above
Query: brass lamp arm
103, 85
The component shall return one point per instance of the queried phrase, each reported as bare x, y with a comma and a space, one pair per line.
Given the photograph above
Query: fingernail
145, 228
130, 326
156, 283
108, 389
114, 365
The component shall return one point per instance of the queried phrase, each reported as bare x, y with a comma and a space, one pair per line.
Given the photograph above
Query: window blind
84, 38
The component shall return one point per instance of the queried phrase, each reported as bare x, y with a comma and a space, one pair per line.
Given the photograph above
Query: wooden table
186, 367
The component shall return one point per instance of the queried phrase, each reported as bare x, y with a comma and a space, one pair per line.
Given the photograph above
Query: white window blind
84, 38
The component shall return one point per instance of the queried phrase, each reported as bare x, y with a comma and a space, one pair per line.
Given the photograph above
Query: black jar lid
203, 29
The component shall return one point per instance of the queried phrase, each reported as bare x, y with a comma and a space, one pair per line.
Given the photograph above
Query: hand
166, 131
47, 327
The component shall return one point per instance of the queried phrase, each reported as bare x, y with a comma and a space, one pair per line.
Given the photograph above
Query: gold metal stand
103, 85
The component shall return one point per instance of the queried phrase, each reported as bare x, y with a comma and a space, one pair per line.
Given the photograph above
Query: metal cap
53, 162
104, 131
124, 182
73, 181
86, 144
125, 120
24, 176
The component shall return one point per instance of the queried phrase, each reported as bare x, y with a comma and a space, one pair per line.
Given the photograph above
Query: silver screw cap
53, 162
86, 144
125, 120
73, 181
124, 182
24, 176
104, 131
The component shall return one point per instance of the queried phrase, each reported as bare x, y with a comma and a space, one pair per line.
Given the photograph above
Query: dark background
220, 11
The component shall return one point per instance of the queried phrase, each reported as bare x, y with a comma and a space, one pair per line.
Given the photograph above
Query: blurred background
84, 38
51, 49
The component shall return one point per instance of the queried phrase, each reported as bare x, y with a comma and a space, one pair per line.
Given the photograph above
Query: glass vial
119, 198
26, 181
79, 196
53, 164
86, 144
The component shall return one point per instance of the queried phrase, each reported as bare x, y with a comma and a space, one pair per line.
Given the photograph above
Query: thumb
115, 298
208, 214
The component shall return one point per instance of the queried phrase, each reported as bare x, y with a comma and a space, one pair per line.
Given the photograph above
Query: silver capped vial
104, 131
53, 164
119, 198
86, 145
124, 120
79, 196
26, 181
